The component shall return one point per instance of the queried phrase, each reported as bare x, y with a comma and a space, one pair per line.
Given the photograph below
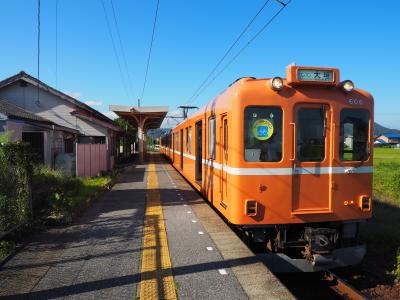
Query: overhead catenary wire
115, 50
149, 55
230, 48
122, 48
284, 5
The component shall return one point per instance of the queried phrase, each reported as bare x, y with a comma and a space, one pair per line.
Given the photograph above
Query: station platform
151, 237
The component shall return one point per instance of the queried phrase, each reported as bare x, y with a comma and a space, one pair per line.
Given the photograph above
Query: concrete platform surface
152, 236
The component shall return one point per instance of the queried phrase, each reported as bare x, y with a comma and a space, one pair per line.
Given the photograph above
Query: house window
36, 141
69, 146
211, 138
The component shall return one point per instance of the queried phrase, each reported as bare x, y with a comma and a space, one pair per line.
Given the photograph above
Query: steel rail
342, 288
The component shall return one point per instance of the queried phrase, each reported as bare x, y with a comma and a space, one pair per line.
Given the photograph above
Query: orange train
289, 161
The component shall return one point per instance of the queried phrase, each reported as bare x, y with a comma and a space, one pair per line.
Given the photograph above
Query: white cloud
76, 95
172, 122
110, 114
94, 103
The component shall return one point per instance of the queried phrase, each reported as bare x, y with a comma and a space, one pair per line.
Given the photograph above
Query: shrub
5, 248
15, 179
397, 266
60, 195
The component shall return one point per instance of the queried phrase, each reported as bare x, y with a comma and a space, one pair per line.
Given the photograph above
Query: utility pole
185, 110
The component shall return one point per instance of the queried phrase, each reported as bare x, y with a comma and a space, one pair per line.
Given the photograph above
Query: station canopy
143, 117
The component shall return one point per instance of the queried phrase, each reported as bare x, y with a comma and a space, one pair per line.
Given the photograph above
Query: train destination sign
315, 75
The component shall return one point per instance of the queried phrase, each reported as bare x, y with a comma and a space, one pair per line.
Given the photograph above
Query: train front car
299, 176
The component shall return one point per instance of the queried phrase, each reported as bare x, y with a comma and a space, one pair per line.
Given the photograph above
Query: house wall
53, 140
389, 140
50, 107
16, 128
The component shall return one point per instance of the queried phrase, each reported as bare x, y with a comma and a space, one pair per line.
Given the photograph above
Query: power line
230, 48
151, 47
122, 48
38, 52
56, 43
284, 5
115, 49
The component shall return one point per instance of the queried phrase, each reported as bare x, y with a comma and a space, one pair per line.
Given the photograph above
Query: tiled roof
11, 110
392, 135
34, 81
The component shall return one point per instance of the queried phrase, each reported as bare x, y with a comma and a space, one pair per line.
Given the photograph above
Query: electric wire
115, 50
56, 44
122, 48
38, 52
242, 49
230, 48
150, 49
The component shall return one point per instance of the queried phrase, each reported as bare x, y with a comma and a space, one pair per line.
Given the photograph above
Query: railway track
319, 285
341, 287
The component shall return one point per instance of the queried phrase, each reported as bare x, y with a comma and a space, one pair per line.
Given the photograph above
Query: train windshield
354, 129
263, 134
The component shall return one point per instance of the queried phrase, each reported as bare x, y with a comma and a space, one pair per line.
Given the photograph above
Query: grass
387, 175
58, 195
382, 233
57, 199
382, 154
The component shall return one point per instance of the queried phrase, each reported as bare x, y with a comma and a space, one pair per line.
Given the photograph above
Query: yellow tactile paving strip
157, 281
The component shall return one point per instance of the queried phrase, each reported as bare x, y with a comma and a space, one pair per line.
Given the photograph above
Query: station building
57, 125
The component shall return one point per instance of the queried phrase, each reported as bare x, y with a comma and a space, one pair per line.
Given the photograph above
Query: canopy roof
148, 117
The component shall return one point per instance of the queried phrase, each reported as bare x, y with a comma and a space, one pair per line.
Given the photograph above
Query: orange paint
330, 192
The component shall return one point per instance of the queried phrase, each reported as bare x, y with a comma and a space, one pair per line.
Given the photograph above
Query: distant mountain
379, 130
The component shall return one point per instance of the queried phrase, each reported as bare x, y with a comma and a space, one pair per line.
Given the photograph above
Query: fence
91, 159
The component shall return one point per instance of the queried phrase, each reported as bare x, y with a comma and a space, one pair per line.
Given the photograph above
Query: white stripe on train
282, 171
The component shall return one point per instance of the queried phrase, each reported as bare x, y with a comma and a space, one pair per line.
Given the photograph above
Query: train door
199, 152
173, 147
224, 159
312, 158
181, 145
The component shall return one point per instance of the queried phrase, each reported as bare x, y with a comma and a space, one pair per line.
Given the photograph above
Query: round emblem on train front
263, 129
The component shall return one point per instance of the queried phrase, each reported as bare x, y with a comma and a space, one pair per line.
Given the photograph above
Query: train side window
263, 133
189, 140
310, 134
176, 141
354, 130
211, 138
226, 139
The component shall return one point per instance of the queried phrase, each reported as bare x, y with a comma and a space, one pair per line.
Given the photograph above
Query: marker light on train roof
276, 83
347, 86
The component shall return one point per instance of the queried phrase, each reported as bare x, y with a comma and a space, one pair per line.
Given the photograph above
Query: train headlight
347, 86
276, 84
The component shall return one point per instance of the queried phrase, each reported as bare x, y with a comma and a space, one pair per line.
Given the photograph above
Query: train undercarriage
307, 247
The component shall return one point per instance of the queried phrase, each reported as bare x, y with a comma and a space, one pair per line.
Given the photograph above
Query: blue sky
361, 38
